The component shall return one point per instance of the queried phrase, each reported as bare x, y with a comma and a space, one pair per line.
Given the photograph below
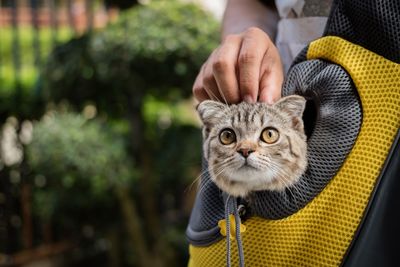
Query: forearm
243, 14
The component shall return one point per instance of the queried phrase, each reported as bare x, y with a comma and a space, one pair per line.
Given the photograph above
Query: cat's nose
245, 152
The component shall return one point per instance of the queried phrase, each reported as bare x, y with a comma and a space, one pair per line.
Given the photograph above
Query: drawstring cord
228, 232
231, 202
238, 236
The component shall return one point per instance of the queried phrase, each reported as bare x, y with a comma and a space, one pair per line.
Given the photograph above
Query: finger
198, 90
224, 68
272, 77
209, 83
255, 43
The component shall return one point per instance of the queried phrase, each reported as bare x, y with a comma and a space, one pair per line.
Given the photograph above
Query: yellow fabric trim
320, 233
222, 226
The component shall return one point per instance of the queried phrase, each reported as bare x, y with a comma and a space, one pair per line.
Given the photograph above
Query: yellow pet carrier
345, 210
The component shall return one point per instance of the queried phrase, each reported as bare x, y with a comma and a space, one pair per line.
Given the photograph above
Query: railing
29, 29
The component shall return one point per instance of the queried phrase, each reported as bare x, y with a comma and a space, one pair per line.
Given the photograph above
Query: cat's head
252, 147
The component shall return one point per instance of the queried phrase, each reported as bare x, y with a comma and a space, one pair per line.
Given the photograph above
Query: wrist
241, 15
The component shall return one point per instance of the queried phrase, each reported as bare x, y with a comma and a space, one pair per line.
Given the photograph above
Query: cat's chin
233, 188
245, 181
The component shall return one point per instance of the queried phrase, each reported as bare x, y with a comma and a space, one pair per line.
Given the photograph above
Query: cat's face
251, 147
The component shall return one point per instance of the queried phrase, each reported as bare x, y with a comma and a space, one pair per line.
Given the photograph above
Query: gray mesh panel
337, 123
207, 211
372, 24
332, 132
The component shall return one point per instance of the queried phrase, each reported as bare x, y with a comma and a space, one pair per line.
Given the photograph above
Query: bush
133, 71
71, 155
156, 48
159, 46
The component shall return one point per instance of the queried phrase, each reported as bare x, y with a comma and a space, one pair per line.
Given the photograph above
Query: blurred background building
99, 143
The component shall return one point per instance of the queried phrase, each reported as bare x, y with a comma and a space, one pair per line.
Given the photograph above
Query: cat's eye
227, 137
270, 135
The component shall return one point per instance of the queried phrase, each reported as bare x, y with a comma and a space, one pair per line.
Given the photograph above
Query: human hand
245, 67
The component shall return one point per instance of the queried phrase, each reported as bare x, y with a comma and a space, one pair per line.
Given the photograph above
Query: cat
252, 147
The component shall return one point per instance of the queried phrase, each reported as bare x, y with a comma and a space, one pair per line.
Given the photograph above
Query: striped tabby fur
273, 166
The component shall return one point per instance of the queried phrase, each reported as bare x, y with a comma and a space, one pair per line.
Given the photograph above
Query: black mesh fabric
372, 24
207, 211
332, 118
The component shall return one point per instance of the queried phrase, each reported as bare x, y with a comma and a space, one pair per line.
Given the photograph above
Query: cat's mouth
247, 166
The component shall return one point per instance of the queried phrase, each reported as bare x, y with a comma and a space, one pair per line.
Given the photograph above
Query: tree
151, 52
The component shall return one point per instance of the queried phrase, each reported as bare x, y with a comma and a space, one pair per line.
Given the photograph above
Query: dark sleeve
268, 2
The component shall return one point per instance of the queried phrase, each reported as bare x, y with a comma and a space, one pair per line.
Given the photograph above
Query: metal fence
29, 29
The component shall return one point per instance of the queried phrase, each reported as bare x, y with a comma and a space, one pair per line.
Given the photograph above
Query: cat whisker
197, 178
299, 191
283, 178
207, 179
294, 186
212, 95
207, 173
265, 159
221, 170
204, 186
223, 96
288, 188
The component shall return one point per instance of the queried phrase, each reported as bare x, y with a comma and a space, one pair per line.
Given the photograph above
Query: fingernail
248, 99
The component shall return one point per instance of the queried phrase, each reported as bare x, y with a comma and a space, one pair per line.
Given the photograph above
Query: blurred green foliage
163, 44
77, 165
70, 150
133, 164
20, 97
156, 48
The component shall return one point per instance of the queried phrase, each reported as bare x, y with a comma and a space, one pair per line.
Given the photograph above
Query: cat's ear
209, 111
294, 105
